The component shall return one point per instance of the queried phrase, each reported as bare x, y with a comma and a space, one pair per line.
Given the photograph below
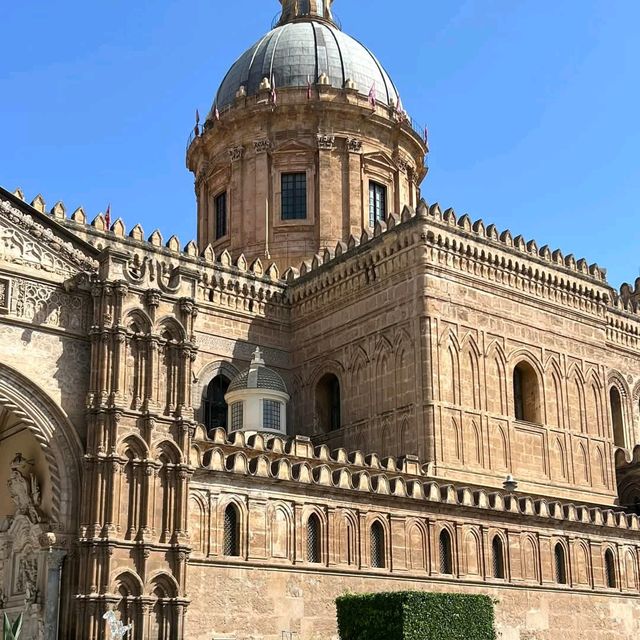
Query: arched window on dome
215, 407
526, 393
328, 403
497, 557
609, 569
616, 417
445, 552
231, 534
314, 542
560, 564
377, 542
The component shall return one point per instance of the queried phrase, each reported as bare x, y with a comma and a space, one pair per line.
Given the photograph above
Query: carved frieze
32, 244
47, 305
234, 349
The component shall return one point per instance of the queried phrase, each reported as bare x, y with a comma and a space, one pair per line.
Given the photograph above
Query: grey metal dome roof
298, 52
259, 377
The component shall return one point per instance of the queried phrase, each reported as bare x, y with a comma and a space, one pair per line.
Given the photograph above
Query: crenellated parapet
297, 462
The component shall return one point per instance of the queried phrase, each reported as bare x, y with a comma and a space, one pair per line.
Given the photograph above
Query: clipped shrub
415, 615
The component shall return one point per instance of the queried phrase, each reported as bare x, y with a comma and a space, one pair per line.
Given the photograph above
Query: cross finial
257, 357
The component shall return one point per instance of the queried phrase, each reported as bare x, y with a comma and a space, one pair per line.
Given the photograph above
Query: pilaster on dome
294, 10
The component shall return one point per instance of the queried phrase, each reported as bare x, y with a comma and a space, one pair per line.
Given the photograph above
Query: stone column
55, 559
354, 187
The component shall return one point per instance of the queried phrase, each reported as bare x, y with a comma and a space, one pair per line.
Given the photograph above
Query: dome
258, 377
296, 53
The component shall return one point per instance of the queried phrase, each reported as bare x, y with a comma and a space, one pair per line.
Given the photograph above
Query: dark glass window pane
561, 565
215, 407
294, 196
498, 558
377, 203
221, 215
314, 552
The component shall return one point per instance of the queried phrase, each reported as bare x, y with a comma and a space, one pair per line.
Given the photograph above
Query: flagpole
266, 228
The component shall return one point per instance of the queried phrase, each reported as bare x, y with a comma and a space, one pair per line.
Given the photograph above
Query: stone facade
427, 357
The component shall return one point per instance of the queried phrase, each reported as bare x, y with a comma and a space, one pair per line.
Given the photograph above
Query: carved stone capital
235, 153
152, 298
326, 142
262, 146
354, 145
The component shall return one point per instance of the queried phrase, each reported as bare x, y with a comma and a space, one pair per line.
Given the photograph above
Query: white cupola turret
257, 399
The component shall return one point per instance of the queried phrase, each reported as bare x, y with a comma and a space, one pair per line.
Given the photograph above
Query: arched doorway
39, 481
214, 406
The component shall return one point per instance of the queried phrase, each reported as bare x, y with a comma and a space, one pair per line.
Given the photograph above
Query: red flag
372, 95
107, 217
308, 88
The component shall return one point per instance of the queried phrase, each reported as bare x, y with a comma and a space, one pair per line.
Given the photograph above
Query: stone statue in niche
24, 490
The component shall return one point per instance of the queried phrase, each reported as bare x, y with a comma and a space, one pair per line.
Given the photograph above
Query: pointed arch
470, 374
558, 460
631, 569
554, 396
417, 539
377, 545
560, 564
582, 564
529, 558
581, 464
449, 378
610, 578
445, 552
497, 558
472, 558
359, 391
404, 370
575, 401
348, 538
495, 386
280, 531
384, 376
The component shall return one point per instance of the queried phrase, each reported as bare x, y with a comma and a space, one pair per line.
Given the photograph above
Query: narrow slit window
221, 215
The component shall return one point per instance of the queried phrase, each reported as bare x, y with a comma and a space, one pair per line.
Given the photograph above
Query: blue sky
532, 107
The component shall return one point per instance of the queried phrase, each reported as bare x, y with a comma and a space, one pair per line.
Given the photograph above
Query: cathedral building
339, 388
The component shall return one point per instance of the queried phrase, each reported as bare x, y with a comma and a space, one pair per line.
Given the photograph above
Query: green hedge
415, 615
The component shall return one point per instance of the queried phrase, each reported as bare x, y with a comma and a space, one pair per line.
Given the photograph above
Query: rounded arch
56, 436
527, 375
204, 377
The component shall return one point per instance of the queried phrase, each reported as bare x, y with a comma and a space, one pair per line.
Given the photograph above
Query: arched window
314, 547
377, 545
560, 564
497, 557
231, 543
328, 403
526, 393
215, 408
609, 570
446, 553
616, 417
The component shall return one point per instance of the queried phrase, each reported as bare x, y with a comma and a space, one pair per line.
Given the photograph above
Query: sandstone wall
250, 603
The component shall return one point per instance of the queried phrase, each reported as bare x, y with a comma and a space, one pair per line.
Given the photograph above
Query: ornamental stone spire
305, 9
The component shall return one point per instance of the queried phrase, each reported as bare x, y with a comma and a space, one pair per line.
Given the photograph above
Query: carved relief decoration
5, 294
48, 305
326, 142
354, 145
235, 153
262, 146
37, 246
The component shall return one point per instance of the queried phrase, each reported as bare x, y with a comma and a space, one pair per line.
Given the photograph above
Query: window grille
221, 215
446, 556
560, 565
609, 570
237, 415
377, 545
271, 414
497, 558
313, 539
293, 196
377, 203
231, 544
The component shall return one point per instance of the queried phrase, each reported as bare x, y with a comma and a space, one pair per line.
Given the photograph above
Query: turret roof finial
306, 9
